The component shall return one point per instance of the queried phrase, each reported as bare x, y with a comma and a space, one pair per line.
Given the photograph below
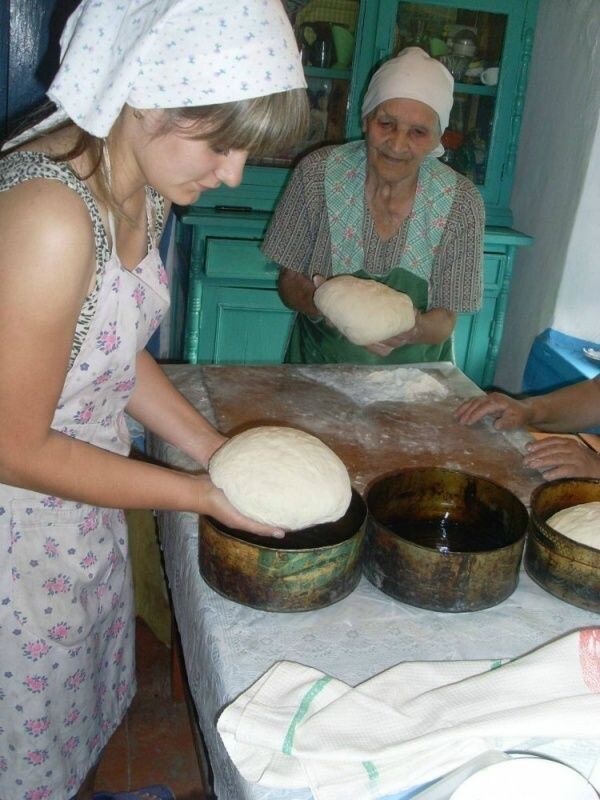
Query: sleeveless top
66, 604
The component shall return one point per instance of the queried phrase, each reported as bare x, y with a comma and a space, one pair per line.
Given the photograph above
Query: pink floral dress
66, 608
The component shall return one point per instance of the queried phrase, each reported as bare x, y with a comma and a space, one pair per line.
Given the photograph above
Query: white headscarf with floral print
169, 54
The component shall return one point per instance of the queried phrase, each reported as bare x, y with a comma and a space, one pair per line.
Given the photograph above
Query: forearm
162, 409
434, 326
431, 327
297, 292
571, 409
65, 467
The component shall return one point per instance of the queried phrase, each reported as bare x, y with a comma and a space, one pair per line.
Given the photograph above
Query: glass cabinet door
470, 44
483, 43
326, 32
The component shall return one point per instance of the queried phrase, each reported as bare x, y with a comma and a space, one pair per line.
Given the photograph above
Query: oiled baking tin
308, 569
565, 568
443, 539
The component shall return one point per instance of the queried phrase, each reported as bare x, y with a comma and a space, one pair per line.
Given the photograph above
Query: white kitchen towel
297, 727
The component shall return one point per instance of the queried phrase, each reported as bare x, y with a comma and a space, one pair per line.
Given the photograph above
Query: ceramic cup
489, 76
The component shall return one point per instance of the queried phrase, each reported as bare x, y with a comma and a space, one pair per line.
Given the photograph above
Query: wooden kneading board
372, 438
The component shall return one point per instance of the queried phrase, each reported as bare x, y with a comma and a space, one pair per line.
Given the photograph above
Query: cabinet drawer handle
242, 209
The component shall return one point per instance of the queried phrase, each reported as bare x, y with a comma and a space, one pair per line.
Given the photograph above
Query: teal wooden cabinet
240, 326
477, 337
234, 314
233, 311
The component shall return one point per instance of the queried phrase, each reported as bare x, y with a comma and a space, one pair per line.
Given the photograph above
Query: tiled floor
154, 743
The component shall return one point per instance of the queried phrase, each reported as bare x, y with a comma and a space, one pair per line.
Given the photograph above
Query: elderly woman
384, 209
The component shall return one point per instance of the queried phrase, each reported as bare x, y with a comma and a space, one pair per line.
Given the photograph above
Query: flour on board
403, 384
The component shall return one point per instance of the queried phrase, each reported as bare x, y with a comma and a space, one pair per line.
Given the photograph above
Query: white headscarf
169, 54
413, 74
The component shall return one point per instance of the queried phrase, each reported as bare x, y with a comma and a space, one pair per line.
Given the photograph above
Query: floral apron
66, 607
317, 342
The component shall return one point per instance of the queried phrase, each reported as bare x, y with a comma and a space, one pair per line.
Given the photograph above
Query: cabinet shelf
475, 88
328, 73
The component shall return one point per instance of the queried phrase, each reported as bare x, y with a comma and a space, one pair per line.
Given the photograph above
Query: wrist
417, 330
203, 492
207, 443
532, 415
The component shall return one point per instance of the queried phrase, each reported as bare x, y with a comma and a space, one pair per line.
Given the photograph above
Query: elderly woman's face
400, 133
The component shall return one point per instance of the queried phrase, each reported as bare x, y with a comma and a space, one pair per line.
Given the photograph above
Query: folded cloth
297, 727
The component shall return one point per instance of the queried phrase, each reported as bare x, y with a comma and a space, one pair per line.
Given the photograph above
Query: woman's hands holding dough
376, 316
214, 503
408, 337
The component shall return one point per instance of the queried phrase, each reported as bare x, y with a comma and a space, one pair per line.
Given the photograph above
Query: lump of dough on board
282, 476
580, 523
364, 310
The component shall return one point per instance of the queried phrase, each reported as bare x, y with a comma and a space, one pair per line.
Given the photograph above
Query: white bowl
592, 352
527, 778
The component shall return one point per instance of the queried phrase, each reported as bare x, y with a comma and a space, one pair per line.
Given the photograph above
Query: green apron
317, 342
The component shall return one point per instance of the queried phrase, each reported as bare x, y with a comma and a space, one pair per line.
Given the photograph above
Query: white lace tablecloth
227, 646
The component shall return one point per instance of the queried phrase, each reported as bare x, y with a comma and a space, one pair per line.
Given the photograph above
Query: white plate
526, 779
590, 352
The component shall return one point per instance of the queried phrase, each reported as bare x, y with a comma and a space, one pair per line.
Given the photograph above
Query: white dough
580, 523
365, 311
282, 477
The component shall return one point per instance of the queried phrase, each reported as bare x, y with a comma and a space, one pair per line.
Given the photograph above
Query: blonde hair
260, 125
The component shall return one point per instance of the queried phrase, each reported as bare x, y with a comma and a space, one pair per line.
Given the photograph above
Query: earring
137, 113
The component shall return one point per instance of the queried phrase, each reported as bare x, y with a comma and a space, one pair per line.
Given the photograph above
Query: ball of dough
282, 477
580, 523
365, 311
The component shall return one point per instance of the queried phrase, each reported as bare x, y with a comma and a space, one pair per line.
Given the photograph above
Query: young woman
157, 102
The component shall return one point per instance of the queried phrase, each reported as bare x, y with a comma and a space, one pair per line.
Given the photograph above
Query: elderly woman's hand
408, 337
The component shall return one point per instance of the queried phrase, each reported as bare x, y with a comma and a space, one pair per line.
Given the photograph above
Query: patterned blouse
299, 239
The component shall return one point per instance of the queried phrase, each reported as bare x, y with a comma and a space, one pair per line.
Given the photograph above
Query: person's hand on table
507, 412
562, 457
214, 503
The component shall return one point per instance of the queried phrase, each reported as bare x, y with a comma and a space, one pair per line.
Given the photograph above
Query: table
377, 419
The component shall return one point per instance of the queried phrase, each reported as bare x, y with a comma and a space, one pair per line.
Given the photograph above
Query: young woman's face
400, 134
180, 167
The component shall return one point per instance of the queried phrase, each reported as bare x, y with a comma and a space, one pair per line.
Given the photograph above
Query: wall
555, 196
29, 51
578, 303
